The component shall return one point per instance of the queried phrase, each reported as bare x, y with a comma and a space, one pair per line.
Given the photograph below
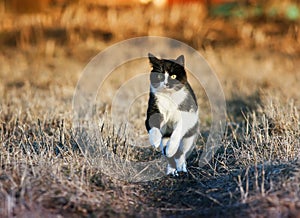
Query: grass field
256, 172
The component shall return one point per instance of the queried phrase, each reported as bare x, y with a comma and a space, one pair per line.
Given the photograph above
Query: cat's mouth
168, 90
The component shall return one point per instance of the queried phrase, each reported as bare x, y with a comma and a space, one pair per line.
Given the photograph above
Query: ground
255, 173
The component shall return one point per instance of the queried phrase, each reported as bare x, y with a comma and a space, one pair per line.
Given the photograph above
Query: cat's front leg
155, 137
174, 142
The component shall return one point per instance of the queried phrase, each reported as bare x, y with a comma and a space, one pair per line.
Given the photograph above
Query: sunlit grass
45, 171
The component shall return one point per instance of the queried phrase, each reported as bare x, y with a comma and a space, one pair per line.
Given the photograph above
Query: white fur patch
186, 121
171, 171
181, 165
186, 147
181, 121
166, 78
168, 103
155, 137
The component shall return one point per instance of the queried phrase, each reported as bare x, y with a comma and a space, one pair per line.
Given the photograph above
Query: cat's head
167, 75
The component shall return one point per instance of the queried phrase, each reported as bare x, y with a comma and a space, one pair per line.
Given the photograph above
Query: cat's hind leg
185, 149
171, 168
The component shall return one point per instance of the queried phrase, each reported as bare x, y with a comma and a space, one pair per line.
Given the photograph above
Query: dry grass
43, 171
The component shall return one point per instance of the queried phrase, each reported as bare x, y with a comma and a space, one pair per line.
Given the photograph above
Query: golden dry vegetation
44, 173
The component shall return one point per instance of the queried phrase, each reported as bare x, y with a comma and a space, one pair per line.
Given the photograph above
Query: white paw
155, 137
181, 167
171, 148
171, 171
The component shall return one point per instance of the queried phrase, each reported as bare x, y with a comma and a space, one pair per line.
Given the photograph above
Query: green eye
173, 77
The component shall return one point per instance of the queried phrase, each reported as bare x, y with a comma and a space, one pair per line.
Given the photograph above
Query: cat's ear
180, 60
153, 60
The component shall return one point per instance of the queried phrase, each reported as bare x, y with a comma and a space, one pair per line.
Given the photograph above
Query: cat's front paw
155, 137
171, 148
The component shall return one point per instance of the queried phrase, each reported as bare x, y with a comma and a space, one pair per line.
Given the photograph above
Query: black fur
173, 67
171, 93
154, 117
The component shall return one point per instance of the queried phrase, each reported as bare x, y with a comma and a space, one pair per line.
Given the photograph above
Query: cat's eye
173, 77
159, 76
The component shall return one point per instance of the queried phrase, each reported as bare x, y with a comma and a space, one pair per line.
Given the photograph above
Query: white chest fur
168, 103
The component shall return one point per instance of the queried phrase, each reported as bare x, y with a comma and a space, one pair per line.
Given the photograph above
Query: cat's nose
167, 85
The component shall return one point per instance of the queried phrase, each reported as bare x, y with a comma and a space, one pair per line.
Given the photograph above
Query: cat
172, 116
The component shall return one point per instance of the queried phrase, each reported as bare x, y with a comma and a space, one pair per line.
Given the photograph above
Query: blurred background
252, 45
269, 24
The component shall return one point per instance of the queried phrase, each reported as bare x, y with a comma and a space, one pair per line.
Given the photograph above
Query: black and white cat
172, 116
